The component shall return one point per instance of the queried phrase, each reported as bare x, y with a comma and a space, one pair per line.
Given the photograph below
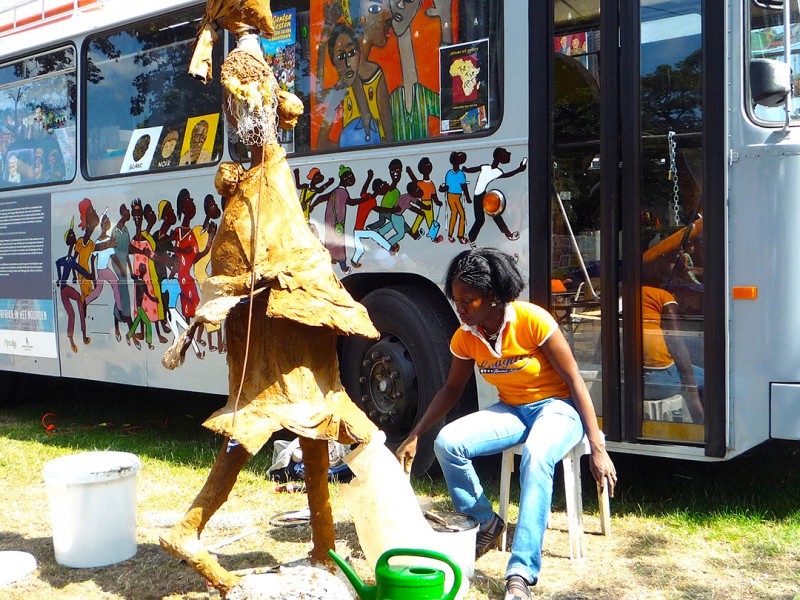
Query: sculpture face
255, 13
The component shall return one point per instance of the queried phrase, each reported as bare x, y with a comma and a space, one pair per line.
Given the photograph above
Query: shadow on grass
762, 484
150, 574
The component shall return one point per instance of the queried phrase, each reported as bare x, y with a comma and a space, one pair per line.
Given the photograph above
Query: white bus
625, 152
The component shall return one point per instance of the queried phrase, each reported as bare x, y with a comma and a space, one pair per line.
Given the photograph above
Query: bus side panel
28, 364
764, 220
785, 411
28, 341
118, 354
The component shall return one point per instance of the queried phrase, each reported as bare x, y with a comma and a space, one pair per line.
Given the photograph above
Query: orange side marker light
745, 292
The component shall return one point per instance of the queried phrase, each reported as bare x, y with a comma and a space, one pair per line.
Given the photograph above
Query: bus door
627, 212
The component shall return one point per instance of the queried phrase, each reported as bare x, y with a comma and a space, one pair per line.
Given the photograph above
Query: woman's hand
693, 403
406, 453
603, 469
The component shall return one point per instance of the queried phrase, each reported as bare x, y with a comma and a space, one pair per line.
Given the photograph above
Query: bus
635, 158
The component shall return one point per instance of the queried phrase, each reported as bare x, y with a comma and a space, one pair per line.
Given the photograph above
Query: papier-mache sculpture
273, 285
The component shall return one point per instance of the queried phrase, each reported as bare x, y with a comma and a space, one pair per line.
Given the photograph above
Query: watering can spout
364, 592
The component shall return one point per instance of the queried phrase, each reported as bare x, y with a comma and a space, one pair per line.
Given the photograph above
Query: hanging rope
262, 188
673, 176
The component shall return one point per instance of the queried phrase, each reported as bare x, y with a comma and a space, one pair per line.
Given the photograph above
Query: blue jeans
663, 383
550, 428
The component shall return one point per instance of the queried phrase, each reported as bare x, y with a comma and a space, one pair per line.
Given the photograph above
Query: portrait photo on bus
198, 141
141, 149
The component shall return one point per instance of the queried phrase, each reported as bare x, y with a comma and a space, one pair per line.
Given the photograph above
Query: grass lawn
680, 529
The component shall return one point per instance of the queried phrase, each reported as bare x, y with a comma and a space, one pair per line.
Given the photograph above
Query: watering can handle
384, 560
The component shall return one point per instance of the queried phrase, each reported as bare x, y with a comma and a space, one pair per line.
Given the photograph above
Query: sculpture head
238, 17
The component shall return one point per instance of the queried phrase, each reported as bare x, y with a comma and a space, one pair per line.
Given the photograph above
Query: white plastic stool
572, 491
664, 409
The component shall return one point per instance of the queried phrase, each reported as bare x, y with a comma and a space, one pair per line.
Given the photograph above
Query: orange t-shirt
655, 354
520, 371
428, 189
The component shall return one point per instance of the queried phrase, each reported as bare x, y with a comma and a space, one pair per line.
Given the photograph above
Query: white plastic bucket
456, 534
93, 507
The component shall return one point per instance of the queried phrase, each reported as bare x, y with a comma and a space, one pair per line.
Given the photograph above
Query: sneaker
517, 588
489, 538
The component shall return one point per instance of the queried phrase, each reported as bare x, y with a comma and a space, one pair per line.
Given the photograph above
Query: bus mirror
770, 81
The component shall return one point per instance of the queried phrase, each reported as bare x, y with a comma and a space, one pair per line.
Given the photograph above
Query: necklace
490, 337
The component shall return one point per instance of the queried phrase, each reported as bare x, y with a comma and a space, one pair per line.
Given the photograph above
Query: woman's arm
445, 399
330, 101
365, 187
558, 352
676, 347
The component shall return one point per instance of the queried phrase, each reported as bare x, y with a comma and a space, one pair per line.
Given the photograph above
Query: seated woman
544, 404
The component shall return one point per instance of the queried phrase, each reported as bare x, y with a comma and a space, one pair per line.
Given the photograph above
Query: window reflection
575, 270
37, 120
671, 223
767, 41
144, 111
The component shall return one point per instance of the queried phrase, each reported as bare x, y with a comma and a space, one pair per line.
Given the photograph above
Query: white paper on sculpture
388, 514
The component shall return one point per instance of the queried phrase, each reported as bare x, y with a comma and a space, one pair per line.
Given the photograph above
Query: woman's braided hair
488, 270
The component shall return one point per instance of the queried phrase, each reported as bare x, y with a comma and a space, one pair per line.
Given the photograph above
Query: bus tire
394, 379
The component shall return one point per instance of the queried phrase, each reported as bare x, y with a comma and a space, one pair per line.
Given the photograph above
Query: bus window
671, 220
37, 119
373, 72
143, 110
766, 41
575, 206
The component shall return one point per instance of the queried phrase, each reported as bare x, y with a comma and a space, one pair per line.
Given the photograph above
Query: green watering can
404, 582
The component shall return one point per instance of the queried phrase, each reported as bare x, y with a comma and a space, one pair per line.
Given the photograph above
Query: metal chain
673, 176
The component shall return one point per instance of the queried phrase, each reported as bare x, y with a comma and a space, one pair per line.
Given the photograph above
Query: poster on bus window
166, 154
464, 72
280, 52
573, 44
141, 148
65, 136
374, 70
198, 140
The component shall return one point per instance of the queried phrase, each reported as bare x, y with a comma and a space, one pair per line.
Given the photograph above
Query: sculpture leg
315, 458
183, 540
